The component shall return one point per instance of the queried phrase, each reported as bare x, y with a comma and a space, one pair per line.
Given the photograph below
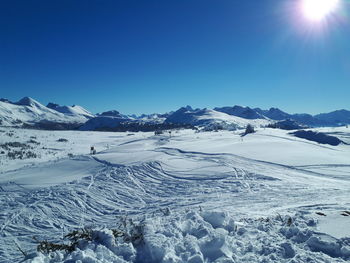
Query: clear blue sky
155, 56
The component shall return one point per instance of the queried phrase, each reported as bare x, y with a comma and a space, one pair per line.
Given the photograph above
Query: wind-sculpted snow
201, 197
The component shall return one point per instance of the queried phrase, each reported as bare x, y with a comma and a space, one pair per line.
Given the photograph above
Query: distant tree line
48, 125
145, 127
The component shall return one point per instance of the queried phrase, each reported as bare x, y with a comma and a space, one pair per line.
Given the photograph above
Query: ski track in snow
243, 186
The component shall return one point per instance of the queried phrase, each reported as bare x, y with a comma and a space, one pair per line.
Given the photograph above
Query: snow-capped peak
111, 113
207, 117
71, 110
28, 101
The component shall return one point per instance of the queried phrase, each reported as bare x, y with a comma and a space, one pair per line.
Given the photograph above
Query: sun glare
317, 10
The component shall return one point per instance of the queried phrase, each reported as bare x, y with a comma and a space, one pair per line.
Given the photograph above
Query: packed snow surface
199, 197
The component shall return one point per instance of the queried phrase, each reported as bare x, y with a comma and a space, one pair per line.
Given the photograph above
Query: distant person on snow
92, 150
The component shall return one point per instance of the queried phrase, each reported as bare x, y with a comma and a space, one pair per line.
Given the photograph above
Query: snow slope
202, 197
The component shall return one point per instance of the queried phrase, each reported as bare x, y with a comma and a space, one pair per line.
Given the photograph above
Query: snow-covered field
200, 197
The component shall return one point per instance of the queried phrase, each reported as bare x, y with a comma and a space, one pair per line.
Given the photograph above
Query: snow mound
199, 237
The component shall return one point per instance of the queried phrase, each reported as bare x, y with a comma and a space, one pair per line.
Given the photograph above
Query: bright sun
317, 10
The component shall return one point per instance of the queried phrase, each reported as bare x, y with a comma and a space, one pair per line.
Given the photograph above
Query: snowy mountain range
28, 112
211, 118
335, 118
